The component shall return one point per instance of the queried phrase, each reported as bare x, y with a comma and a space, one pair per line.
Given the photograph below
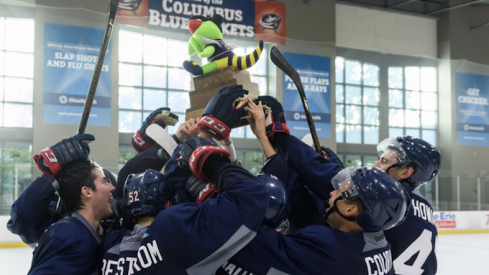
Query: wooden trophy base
206, 86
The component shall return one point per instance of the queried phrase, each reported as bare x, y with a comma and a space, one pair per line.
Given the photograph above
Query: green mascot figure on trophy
207, 41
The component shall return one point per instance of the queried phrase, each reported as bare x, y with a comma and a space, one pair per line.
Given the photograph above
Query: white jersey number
421, 244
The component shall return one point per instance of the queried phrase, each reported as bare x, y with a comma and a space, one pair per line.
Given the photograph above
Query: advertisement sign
244, 19
315, 75
445, 219
70, 55
472, 109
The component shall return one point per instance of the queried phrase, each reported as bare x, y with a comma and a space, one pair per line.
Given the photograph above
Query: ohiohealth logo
63, 99
297, 116
466, 127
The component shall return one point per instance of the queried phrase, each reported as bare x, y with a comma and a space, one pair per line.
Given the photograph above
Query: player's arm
225, 224
31, 213
305, 207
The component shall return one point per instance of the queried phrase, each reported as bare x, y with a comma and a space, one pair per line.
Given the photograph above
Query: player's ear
407, 172
86, 192
352, 210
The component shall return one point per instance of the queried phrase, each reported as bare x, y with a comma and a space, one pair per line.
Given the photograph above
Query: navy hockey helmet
386, 202
278, 203
414, 150
143, 193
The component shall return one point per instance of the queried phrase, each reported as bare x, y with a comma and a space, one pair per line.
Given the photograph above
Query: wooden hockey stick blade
161, 136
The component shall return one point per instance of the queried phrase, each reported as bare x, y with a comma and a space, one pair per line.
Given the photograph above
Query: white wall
385, 32
5, 235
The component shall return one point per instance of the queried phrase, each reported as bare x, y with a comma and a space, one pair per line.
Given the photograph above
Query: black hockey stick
82, 125
114, 5
279, 60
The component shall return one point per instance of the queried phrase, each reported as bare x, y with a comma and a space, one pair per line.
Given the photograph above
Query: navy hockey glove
163, 117
52, 159
275, 120
200, 190
330, 155
223, 112
195, 151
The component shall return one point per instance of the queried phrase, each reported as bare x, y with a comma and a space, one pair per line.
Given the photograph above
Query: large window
150, 76
16, 72
357, 102
413, 102
15, 172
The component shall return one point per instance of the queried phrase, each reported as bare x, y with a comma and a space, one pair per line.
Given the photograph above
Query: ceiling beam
456, 6
480, 26
401, 4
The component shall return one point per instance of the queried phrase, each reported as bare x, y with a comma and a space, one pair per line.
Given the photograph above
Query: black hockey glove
52, 159
196, 151
275, 120
223, 112
163, 117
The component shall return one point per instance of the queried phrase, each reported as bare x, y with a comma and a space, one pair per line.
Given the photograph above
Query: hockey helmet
414, 150
386, 202
278, 204
146, 193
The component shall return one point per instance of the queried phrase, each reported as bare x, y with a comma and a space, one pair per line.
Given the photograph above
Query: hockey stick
114, 4
279, 60
161, 136
82, 125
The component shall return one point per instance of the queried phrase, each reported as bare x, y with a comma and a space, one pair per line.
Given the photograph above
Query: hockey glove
196, 151
163, 117
223, 112
52, 159
200, 190
330, 155
275, 120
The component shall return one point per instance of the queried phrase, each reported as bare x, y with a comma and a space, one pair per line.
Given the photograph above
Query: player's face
389, 158
102, 195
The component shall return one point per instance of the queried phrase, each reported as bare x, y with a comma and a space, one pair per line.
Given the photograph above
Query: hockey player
413, 162
145, 195
194, 238
35, 209
70, 245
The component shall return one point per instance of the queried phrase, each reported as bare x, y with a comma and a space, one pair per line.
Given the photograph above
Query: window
413, 102
357, 102
15, 172
16, 72
150, 76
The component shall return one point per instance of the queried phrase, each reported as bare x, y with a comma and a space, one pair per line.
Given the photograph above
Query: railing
449, 191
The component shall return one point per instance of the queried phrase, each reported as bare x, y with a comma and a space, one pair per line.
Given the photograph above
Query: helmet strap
335, 208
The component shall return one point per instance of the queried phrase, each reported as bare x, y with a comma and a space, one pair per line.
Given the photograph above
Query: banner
472, 109
315, 75
243, 19
70, 55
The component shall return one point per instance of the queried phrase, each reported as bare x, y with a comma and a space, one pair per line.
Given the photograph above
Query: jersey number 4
421, 244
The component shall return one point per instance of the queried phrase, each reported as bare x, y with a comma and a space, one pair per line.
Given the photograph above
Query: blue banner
70, 55
239, 16
472, 109
315, 75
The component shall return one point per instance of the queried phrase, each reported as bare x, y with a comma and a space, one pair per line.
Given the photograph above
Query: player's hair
71, 180
358, 202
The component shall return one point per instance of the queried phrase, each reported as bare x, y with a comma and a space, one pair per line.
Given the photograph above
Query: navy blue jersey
34, 211
120, 249
70, 246
313, 169
314, 250
193, 238
415, 236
